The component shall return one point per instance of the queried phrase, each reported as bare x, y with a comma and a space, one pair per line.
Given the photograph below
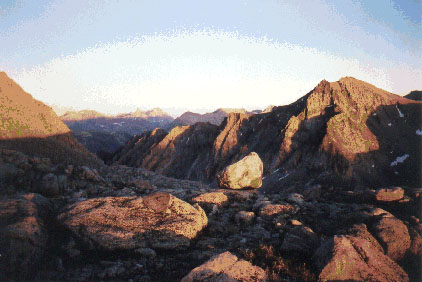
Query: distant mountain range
102, 133
341, 132
216, 117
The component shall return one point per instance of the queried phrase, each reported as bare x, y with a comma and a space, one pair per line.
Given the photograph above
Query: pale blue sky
115, 56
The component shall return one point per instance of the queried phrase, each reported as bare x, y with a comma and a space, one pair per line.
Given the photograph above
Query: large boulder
392, 233
158, 221
389, 194
226, 267
246, 173
356, 256
23, 235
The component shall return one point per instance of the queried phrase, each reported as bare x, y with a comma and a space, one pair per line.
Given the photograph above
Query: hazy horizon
114, 57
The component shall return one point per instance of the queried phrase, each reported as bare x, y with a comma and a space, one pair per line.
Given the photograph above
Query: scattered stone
244, 217
158, 221
356, 256
389, 194
226, 267
270, 211
246, 173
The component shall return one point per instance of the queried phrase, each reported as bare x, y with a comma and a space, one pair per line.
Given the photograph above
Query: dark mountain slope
414, 95
345, 132
30, 126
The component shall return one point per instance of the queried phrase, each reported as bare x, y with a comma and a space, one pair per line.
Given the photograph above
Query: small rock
244, 217
295, 222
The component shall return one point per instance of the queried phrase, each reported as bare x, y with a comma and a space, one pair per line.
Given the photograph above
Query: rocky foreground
117, 223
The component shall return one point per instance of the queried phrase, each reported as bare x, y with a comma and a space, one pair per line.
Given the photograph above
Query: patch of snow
419, 132
287, 174
389, 124
399, 160
400, 113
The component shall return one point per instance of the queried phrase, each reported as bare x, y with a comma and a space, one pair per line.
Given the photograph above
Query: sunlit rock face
158, 221
344, 132
30, 126
356, 256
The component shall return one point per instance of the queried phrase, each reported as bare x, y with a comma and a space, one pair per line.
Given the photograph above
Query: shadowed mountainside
414, 95
29, 126
345, 132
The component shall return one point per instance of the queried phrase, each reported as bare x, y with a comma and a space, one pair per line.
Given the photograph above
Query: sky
116, 56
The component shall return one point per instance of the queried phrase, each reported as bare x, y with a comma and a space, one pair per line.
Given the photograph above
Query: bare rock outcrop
158, 221
356, 256
226, 267
24, 236
392, 234
246, 173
